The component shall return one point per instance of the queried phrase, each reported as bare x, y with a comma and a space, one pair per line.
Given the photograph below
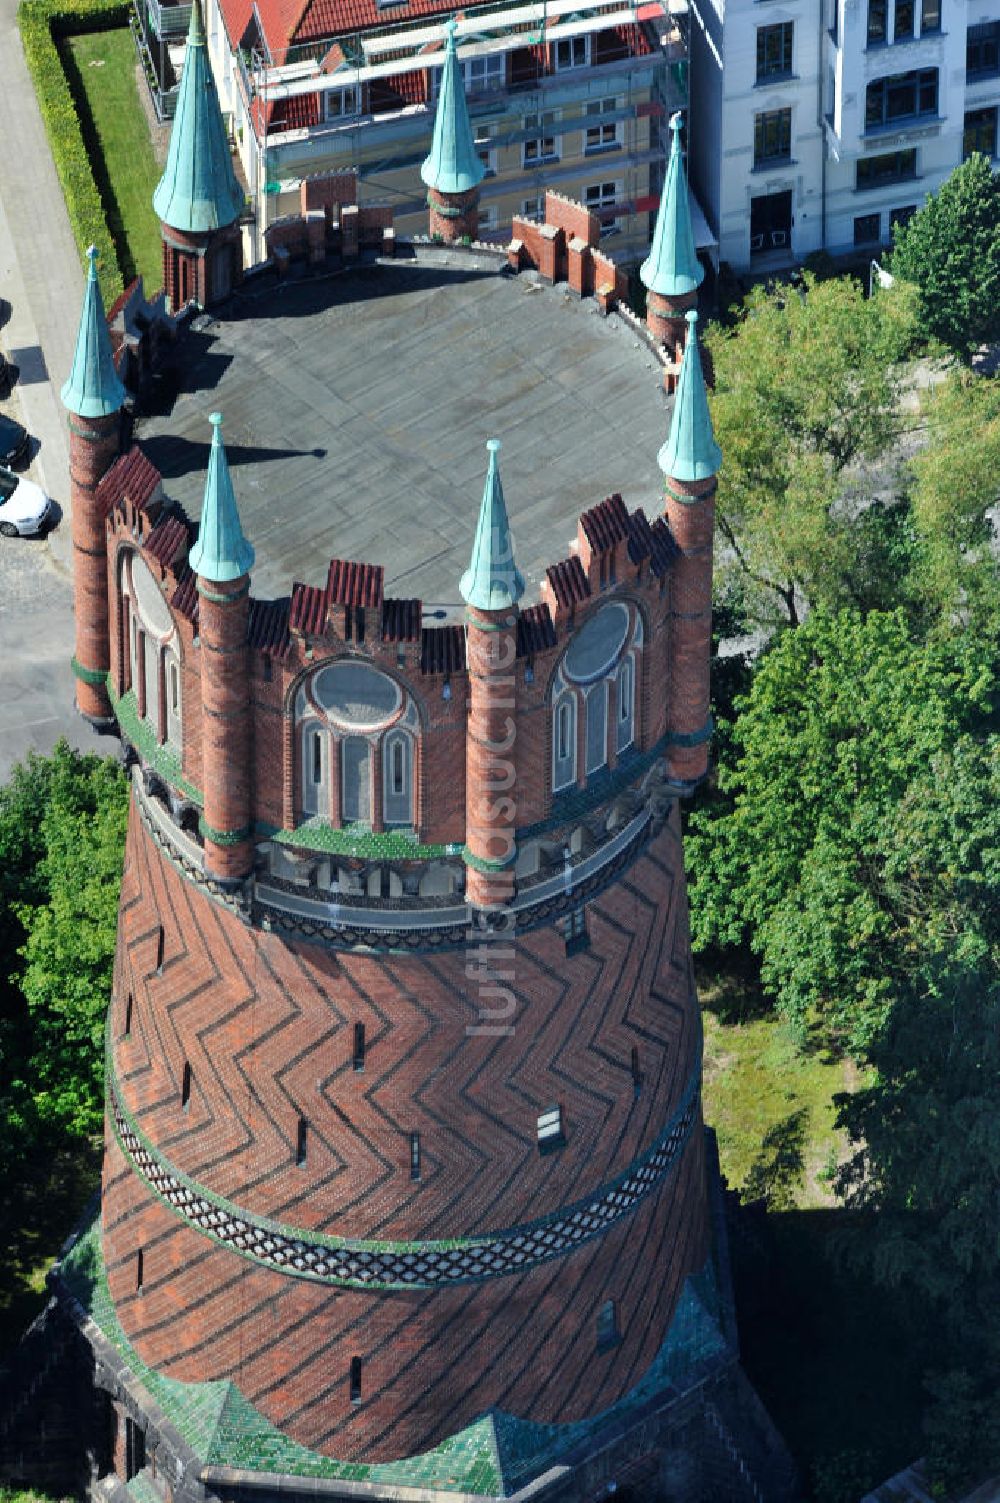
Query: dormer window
341, 104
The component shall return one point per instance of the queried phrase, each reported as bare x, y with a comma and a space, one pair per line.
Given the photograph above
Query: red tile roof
169, 538
184, 600
606, 524
308, 611
535, 630
267, 628
442, 649
354, 584
401, 620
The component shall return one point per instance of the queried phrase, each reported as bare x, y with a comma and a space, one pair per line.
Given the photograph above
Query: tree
794, 860
806, 384
950, 250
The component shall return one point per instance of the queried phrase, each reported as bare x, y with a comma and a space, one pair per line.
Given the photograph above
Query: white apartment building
817, 124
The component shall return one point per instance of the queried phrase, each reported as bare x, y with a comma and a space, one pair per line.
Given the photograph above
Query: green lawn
772, 1109
101, 68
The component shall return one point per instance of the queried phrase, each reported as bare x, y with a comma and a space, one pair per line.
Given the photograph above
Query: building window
564, 743
601, 133
980, 133
358, 1057
607, 1326
877, 22
550, 1130
128, 1015
774, 51
982, 50
597, 727
901, 216
772, 137
930, 16
341, 104
575, 930
485, 151
636, 1072
485, 75
315, 795
835, 21
397, 776
625, 700
893, 167
572, 52
301, 1142
541, 145
135, 1448
414, 1155
489, 217
160, 941
603, 199
355, 1380
355, 780
868, 229
186, 1087
904, 96
534, 208
903, 21
139, 1260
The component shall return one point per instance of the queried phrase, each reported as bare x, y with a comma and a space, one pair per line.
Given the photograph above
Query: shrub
42, 23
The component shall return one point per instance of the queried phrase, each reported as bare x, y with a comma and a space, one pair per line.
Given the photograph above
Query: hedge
42, 23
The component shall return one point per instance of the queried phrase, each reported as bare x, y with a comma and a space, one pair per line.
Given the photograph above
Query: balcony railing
166, 18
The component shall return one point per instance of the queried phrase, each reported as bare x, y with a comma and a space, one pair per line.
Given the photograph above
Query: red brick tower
491, 588
690, 459
198, 199
93, 397
453, 169
672, 272
222, 559
405, 1191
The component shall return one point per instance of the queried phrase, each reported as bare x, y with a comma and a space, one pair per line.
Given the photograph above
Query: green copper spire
93, 388
672, 268
198, 190
453, 165
221, 553
690, 453
492, 581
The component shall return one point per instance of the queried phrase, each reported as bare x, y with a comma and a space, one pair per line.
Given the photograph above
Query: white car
24, 506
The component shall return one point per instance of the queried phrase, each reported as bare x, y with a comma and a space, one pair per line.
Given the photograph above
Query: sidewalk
41, 274
41, 277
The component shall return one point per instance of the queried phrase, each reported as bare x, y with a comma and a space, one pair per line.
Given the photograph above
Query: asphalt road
41, 284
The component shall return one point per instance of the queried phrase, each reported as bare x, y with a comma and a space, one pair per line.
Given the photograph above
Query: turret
690, 459
222, 559
672, 272
93, 396
198, 198
453, 170
491, 588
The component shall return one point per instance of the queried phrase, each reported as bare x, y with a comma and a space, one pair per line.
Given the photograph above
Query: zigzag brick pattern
266, 1026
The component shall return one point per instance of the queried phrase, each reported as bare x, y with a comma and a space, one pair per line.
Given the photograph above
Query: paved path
42, 281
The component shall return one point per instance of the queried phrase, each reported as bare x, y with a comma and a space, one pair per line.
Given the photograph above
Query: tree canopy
950, 250
844, 723
806, 385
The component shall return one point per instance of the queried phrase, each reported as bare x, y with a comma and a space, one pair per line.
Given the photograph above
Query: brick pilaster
690, 513
491, 757
226, 727
93, 448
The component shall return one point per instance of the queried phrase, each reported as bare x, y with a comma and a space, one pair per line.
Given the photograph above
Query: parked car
13, 441
24, 506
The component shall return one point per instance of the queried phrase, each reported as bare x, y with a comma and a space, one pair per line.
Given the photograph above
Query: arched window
597, 726
397, 777
153, 661
173, 690
315, 761
564, 742
355, 780
625, 697
596, 680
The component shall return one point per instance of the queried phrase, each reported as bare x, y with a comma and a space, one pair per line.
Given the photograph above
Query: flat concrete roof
357, 407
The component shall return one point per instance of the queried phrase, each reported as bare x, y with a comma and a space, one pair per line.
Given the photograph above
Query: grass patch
772, 1108
101, 69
